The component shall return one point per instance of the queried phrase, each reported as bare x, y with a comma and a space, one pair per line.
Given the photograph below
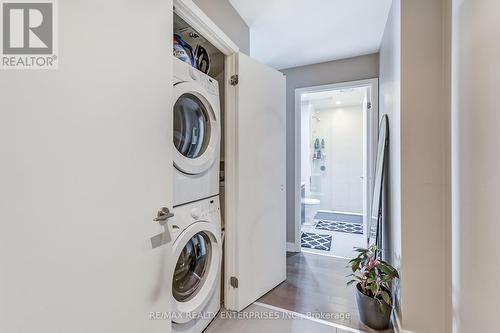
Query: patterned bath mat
323, 215
352, 228
316, 241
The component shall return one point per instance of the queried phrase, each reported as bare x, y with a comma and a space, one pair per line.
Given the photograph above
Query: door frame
371, 145
199, 21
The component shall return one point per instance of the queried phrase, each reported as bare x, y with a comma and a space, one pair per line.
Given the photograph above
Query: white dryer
197, 253
196, 113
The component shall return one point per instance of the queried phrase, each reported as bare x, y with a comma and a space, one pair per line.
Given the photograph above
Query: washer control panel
195, 213
207, 210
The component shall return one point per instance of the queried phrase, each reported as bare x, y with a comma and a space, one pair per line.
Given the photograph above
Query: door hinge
235, 79
233, 281
369, 105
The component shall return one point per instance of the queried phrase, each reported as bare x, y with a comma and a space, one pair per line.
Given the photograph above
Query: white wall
414, 94
476, 165
352, 69
340, 185
425, 151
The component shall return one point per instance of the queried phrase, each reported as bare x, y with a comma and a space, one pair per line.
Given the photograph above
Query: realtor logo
28, 35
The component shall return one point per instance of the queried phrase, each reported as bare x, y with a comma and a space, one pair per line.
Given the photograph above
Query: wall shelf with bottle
319, 150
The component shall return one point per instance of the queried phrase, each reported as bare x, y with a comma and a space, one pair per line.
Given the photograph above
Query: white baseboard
292, 247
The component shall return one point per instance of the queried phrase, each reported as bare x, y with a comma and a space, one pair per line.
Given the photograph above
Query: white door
256, 223
364, 177
86, 162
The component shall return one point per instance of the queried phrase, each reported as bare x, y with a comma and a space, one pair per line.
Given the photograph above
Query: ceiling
291, 33
335, 98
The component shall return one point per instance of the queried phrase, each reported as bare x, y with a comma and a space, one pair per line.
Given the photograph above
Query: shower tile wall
336, 177
305, 142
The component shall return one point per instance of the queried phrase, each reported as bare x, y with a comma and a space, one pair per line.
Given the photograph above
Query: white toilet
311, 207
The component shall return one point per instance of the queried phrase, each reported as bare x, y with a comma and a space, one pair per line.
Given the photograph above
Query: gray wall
358, 68
390, 104
227, 19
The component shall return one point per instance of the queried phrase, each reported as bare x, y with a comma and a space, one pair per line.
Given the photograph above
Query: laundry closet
227, 226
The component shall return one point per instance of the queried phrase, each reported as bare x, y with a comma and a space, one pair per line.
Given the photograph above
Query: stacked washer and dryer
196, 225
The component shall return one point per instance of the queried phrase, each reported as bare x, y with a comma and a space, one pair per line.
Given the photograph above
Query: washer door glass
191, 126
192, 267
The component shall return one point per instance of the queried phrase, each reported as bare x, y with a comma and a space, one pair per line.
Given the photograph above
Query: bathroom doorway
336, 130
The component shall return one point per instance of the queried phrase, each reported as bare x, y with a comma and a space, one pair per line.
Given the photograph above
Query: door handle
164, 238
163, 215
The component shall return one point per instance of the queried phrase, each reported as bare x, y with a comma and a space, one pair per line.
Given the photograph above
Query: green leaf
386, 297
388, 269
351, 282
355, 260
381, 304
355, 266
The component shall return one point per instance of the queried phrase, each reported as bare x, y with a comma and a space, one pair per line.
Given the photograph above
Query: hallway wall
475, 165
414, 94
390, 104
424, 166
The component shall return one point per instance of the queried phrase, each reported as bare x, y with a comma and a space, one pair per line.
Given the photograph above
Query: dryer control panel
211, 85
183, 72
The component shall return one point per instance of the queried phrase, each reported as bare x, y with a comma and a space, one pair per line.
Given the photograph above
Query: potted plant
373, 278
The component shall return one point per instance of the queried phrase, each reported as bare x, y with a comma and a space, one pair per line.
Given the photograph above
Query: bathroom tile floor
342, 242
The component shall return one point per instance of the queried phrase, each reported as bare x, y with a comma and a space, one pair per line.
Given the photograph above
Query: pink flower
372, 263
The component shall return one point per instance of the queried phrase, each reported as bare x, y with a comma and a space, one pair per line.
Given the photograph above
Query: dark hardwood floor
317, 284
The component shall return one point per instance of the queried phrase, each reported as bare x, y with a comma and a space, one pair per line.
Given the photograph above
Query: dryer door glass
192, 267
191, 126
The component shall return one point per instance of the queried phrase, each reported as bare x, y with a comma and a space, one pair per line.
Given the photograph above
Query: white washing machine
197, 253
197, 127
